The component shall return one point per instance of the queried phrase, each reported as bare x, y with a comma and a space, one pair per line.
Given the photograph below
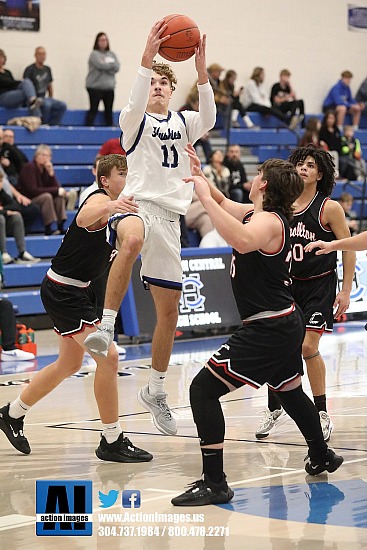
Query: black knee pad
205, 391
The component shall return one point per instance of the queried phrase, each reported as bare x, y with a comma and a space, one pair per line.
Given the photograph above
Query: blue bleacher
72, 117
39, 246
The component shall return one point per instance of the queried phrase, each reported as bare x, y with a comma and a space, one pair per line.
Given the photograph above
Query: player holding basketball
154, 139
314, 278
266, 349
70, 300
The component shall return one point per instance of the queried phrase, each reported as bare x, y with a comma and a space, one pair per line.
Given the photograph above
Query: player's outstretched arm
358, 242
153, 43
200, 61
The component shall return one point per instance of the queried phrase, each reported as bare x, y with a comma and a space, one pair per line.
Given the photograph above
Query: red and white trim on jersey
270, 314
283, 239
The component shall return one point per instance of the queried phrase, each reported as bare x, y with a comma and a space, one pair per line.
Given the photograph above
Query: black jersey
261, 281
83, 255
306, 227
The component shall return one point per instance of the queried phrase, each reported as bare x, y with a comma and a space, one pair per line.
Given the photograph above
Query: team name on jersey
300, 231
164, 136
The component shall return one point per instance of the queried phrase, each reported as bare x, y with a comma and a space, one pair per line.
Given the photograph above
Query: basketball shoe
121, 450
330, 463
99, 341
269, 420
203, 492
326, 425
13, 429
160, 411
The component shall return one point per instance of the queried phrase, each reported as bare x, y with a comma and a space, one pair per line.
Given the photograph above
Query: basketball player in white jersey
154, 139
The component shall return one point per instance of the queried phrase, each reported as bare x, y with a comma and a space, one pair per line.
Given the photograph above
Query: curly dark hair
165, 70
325, 165
284, 186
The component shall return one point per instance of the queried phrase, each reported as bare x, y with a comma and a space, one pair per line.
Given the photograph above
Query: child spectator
312, 132
351, 160
346, 202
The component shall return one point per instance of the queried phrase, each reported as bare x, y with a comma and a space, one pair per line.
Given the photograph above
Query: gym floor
276, 505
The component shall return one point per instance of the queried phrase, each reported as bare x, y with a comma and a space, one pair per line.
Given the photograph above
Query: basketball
185, 37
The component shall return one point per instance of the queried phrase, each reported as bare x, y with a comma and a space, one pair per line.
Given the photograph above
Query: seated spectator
111, 146
361, 95
16, 93
221, 99
351, 164
330, 138
12, 225
41, 76
192, 104
340, 100
346, 202
197, 217
8, 328
240, 186
256, 99
312, 132
11, 158
38, 182
217, 173
284, 97
20, 203
227, 86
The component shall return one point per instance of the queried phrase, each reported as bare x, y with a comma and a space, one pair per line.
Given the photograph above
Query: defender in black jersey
70, 300
314, 278
267, 347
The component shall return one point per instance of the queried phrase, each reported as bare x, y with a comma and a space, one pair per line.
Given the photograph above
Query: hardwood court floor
276, 505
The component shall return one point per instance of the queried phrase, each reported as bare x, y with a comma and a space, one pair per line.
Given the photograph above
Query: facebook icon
131, 499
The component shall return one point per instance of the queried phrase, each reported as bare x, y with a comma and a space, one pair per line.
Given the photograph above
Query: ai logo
64, 508
131, 499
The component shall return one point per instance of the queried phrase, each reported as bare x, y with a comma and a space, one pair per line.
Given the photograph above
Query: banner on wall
20, 15
357, 18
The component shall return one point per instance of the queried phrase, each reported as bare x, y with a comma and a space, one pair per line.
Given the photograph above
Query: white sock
156, 382
109, 317
234, 115
18, 408
111, 431
247, 120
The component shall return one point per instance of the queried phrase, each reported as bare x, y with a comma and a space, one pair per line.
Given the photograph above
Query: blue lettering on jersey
169, 134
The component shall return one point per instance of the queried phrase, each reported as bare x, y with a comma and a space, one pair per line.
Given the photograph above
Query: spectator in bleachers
256, 99
284, 97
38, 182
351, 163
12, 225
16, 93
100, 83
240, 187
94, 186
111, 147
330, 138
217, 173
41, 76
192, 104
361, 95
11, 158
340, 99
312, 132
227, 86
8, 328
21, 204
346, 202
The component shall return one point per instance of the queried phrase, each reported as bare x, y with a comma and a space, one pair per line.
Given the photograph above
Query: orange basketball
185, 37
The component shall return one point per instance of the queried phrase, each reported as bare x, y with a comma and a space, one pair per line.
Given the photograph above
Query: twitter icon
107, 500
